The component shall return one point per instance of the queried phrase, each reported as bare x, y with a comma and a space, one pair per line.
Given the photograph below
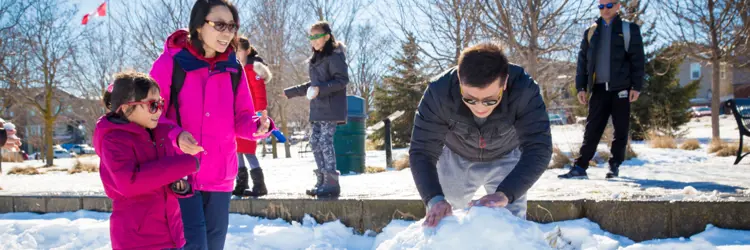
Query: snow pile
480, 228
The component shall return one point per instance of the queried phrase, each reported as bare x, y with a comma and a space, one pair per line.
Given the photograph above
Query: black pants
602, 104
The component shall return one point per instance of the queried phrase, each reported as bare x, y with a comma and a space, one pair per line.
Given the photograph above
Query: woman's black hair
244, 44
330, 45
198, 15
127, 87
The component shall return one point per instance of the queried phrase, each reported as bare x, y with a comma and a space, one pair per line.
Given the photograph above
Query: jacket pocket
229, 157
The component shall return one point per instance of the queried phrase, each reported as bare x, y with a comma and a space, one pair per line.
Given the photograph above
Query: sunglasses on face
316, 37
222, 26
609, 6
153, 105
488, 103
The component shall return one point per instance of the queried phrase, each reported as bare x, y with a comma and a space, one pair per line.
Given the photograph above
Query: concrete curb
637, 220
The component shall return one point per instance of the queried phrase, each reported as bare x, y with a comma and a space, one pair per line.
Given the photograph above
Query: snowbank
478, 228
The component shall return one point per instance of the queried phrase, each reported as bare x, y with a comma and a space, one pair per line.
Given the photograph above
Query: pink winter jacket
136, 171
208, 109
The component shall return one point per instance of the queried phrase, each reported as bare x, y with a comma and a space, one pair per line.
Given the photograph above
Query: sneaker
614, 171
576, 172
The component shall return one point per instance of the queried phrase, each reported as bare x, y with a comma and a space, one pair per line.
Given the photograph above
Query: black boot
614, 171
329, 186
242, 182
319, 176
259, 185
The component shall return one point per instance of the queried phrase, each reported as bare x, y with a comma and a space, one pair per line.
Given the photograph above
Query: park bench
740, 108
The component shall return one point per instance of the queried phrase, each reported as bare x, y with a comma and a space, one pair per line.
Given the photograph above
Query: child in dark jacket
139, 168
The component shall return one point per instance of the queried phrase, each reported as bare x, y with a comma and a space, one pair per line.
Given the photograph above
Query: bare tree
368, 63
444, 28
10, 14
49, 39
276, 34
711, 31
147, 24
341, 14
540, 33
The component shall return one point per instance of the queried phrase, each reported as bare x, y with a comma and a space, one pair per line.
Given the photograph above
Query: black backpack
178, 79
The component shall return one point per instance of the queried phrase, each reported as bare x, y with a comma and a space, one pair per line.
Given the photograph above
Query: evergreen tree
401, 91
663, 102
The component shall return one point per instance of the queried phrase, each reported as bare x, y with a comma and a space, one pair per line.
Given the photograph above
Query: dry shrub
57, 170
371, 145
730, 149
402, 163
604, 156
575, 154
662, 141
559, 159
81, 167
12, 157
24, 171
716, 146
691, 144
373, 170
629, 153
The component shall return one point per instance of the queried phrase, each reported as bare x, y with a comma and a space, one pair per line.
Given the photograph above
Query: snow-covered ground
657, 174
479, 228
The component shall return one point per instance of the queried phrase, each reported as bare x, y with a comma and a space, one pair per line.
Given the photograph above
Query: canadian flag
100, 11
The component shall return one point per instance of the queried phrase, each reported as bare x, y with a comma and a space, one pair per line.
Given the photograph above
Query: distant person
207, 98
8, 138
326, 90
258, 75
140, 172
484, 124
612, 69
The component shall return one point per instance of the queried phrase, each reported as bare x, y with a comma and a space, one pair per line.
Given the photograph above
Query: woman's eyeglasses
222, 26
316, 37
153, 105
609, 6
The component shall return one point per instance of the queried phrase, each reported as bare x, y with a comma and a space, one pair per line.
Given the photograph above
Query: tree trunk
49, 128
715, 102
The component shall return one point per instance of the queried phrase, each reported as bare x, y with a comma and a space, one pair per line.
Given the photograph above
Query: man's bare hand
438, 211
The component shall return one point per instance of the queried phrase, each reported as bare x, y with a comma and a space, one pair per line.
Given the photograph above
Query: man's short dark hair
482, 64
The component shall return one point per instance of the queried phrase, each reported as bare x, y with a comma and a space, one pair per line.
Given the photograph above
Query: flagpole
109, 34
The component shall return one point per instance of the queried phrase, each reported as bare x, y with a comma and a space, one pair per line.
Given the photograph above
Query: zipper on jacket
606, 86
482, 145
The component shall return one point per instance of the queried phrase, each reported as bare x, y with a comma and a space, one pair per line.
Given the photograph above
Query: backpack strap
236, 76
178, 80
590, 32
626, 34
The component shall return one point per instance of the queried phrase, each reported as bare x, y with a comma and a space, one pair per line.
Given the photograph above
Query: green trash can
349, 140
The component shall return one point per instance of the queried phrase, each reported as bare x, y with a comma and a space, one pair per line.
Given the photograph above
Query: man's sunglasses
316, 37
153, 105
222, 26
487, 103
609, 6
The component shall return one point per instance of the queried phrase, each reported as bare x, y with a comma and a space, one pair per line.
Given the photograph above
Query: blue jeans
251, 158
206, 219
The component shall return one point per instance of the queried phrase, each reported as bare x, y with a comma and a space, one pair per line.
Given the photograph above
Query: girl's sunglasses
609, 6
316, 37
153, 105
487, 103
222, 26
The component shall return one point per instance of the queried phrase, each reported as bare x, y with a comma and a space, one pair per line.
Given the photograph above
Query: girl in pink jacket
139, 170
202, 86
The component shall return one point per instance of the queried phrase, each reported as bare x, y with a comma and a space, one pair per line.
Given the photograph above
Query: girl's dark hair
244, 44
127, 87
329, 46
198, 15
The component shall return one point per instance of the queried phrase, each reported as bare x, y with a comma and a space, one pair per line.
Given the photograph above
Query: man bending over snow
482, 123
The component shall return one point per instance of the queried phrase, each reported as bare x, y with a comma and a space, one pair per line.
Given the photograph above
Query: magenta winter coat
136, 172
208, 109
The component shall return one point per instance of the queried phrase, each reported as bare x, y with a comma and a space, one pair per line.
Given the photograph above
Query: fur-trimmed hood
263, 71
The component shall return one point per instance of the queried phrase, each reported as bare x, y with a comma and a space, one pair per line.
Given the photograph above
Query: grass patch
716, 146
81, 167
24, 171
12, 157
374, 170
730, 149
691, 145
371, 145
604, 156
402, 163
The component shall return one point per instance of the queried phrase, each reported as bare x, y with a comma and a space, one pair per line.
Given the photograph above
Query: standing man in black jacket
611, 64
482, 123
